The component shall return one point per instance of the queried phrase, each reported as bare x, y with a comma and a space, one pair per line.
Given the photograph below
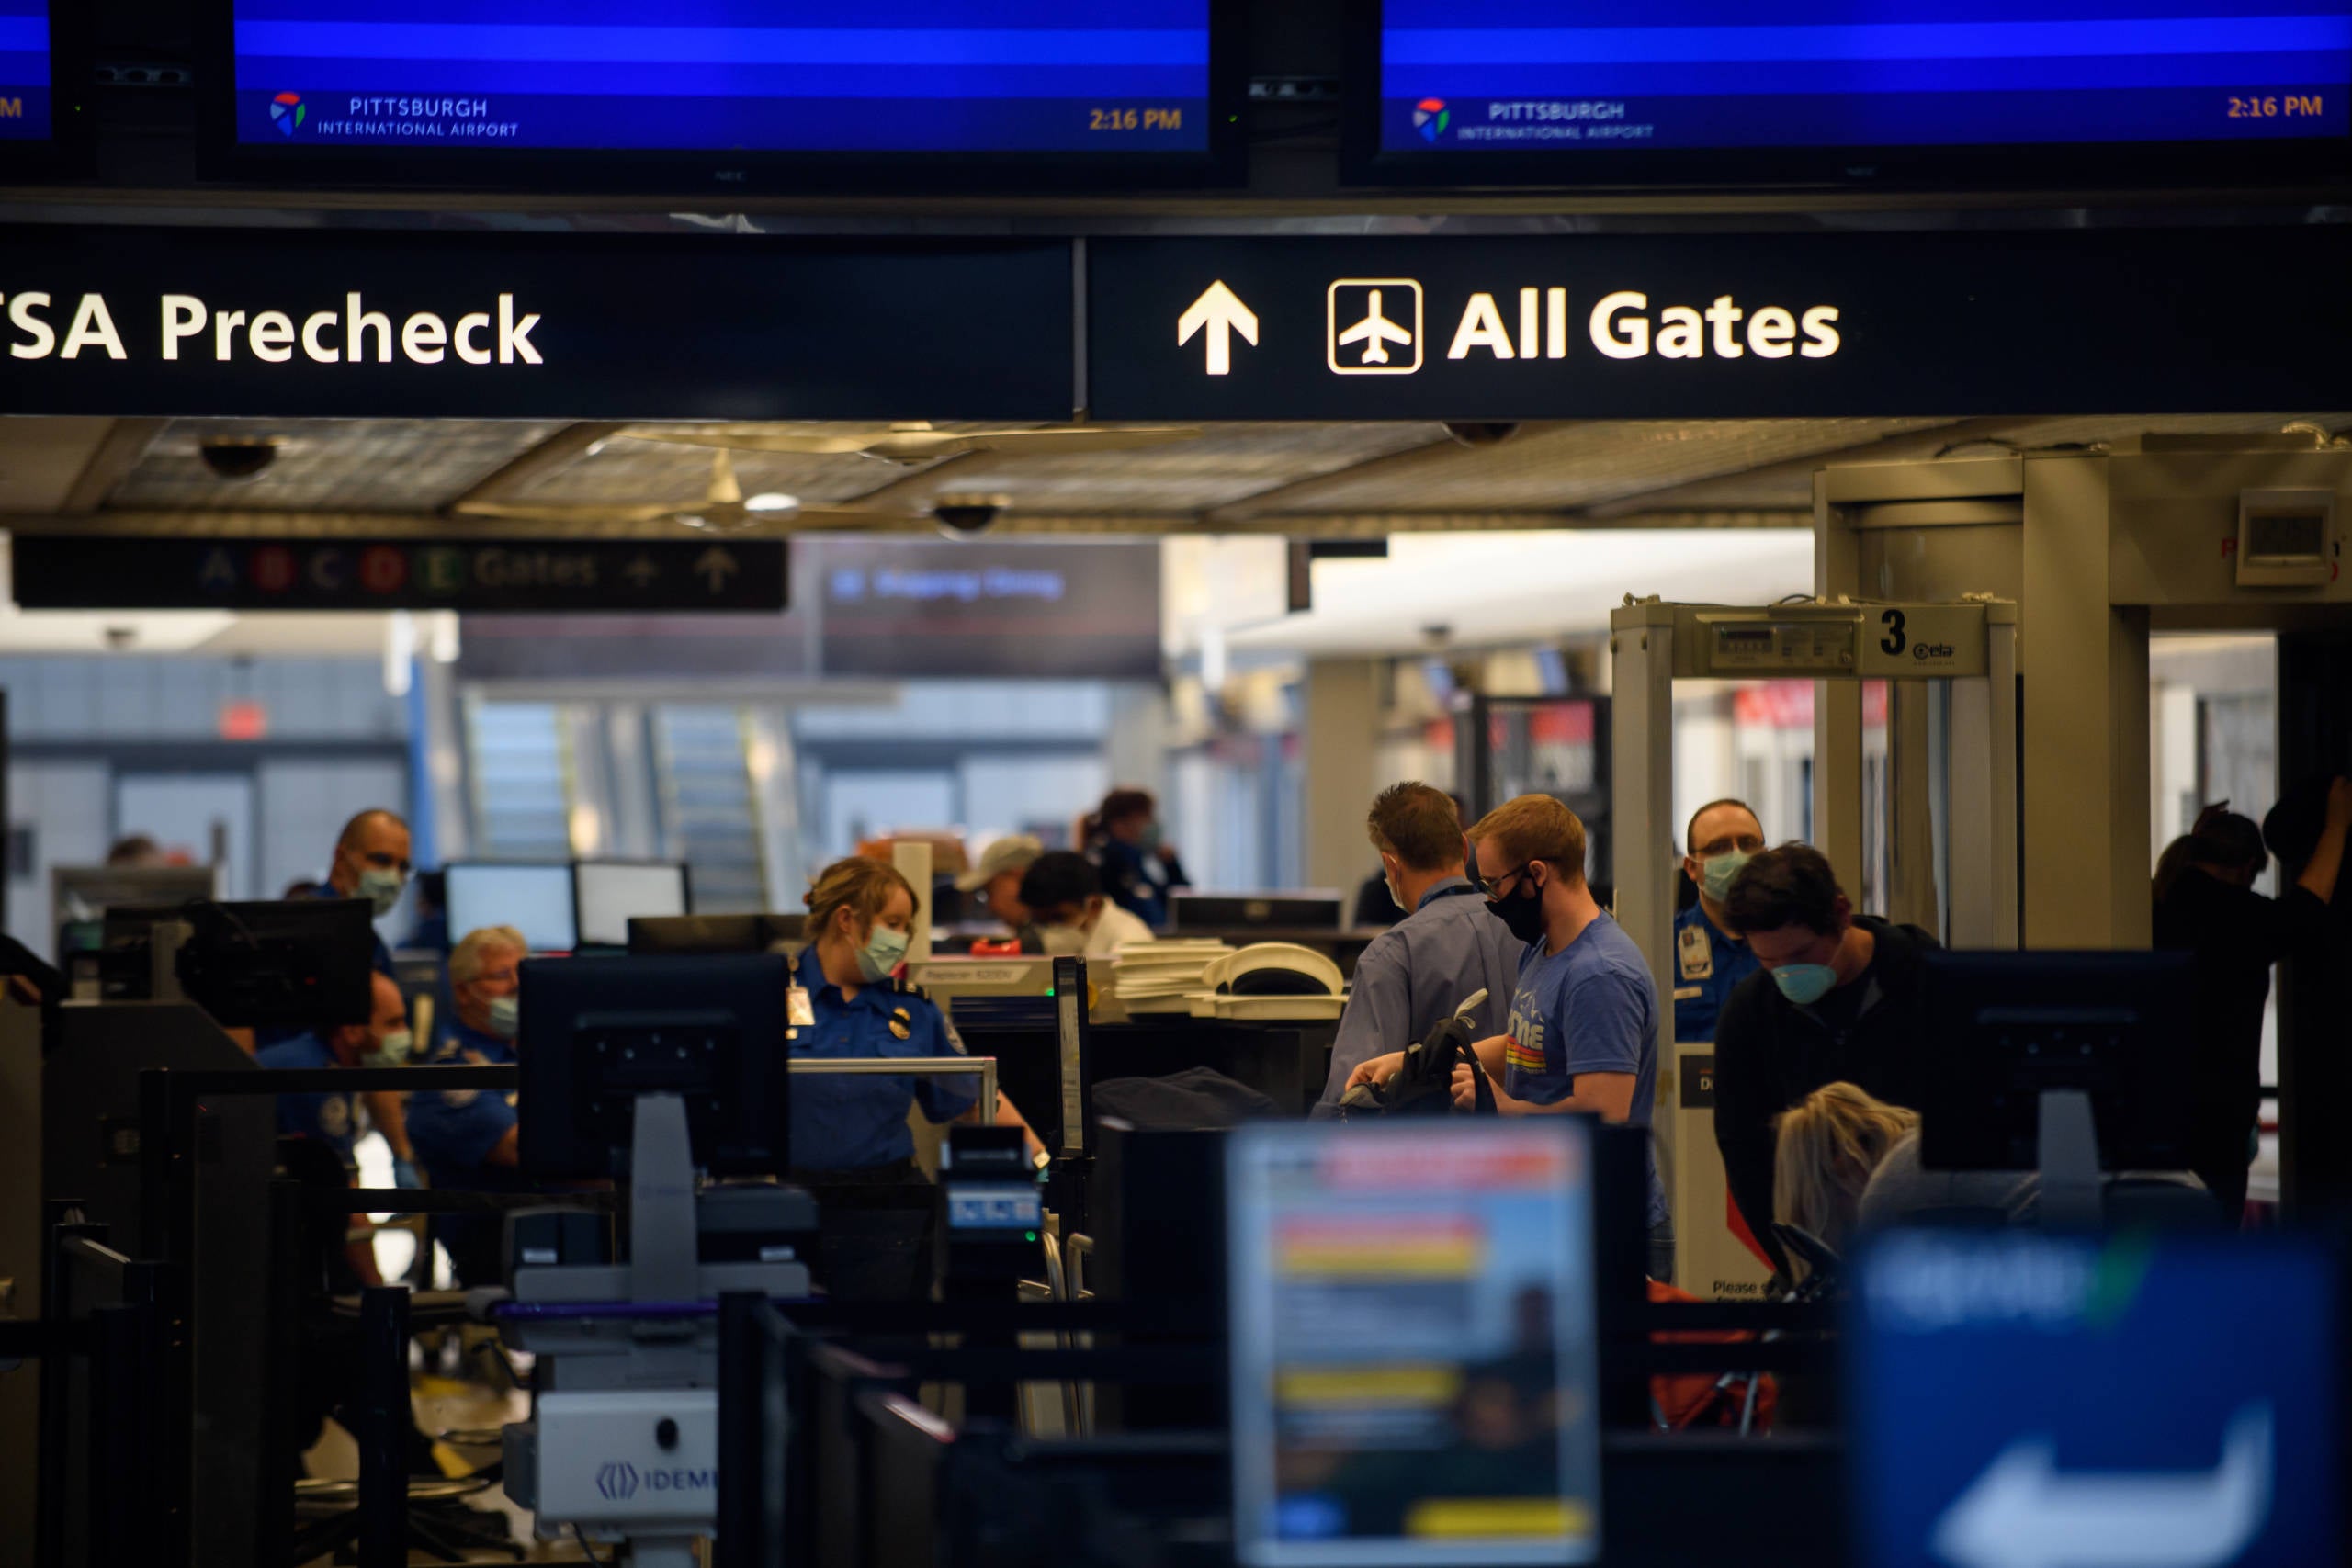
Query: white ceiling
1490, 588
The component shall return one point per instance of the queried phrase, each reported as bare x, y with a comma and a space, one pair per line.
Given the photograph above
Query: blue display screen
25, 90
743, 75
1540, 75
2018, 1398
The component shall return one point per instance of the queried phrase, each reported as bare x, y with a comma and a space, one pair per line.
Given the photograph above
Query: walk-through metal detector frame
1973, 645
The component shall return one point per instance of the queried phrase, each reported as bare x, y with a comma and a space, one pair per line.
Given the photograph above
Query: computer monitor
2003, 1027
299, 963
612, 892
1315, 908
713, 933
1412, 1322
2015, 1396
535, 900
597, 1033
80, 895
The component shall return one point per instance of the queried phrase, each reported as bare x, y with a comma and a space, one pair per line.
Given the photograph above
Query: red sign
383, 570
243, 721
272, 569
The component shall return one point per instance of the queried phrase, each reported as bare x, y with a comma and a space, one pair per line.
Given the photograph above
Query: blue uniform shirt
329, 1118
1590, 1008
384, 959
1708, 967
848, 1123
453, 1130
1412, 976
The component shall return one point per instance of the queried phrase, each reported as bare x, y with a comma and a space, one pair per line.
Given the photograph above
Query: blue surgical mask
505, 1016
1148, 840
1717, 872
1805, 984
881, 954
381, 889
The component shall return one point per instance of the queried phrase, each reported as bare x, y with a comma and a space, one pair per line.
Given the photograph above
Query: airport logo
286, 112
617, 1482
1431, 118
1373, 326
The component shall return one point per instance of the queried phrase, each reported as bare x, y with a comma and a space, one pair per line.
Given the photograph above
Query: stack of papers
1161, 977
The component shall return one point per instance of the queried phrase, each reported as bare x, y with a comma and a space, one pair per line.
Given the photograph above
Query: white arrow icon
2021, 1513
715, 566
641, 572
1222, 312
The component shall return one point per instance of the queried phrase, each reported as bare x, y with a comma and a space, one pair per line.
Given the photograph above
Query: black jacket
1770, 1054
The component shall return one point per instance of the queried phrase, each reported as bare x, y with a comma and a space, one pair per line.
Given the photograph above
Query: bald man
371, 861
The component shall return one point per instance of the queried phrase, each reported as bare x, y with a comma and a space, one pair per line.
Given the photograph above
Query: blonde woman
849, 1133
1828, 1146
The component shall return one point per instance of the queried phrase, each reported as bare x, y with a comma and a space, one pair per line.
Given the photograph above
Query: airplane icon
1374, 332
1364, 303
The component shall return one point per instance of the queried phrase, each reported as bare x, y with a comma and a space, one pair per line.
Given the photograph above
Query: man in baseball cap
996, 877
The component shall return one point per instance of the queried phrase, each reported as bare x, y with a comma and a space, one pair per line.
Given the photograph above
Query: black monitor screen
2006, 1026
903, 76
1579, 79
298, 963
1412, 1320
25, 113
597, 1033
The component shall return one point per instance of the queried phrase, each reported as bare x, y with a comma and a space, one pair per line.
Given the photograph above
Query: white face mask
393, 1052
1062, 940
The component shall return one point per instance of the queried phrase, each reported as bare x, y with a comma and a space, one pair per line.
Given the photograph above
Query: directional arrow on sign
2022, 1512
715, 566
641, 572
1221, 312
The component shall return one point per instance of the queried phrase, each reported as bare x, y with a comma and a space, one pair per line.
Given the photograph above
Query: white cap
1011, 852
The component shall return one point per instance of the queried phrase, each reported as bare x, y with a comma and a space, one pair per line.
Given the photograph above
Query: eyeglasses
1492, 886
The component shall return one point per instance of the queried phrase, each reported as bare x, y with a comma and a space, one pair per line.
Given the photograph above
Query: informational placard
1712, 326
886, 75
1583, 77
892, 607
25, 91
2090, 1404
109, 571
269, 322
1075, 609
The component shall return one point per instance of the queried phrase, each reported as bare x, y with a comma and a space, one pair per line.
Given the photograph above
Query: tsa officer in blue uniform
371, 861
850, 1144
466, 1138
326, 1126
1710, 958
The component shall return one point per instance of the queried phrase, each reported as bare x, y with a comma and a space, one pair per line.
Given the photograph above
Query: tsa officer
328, 1125
371, 861
1710, 958
850, 1143
467, 1138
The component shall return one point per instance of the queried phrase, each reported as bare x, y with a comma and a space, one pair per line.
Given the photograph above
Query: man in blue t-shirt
1583, 1028
467, 1138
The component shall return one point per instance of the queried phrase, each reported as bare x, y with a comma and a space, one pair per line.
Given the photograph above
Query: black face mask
1522, 911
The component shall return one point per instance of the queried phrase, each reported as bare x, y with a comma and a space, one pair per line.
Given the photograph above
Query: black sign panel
1717, 326
99, 572
280, 323
895, 607
1062, 608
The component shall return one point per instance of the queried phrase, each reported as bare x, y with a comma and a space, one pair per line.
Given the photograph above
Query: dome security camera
966, 516
237, 457
1481, 433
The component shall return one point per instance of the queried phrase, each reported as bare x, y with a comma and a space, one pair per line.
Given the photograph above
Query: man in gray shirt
1417, 972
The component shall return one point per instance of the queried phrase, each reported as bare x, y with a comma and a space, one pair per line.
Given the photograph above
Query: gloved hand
404, 1175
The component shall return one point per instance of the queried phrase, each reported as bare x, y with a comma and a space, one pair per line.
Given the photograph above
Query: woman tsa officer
850, 1144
